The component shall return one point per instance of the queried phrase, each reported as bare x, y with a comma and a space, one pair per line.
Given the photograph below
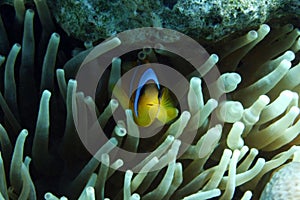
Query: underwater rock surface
92, 20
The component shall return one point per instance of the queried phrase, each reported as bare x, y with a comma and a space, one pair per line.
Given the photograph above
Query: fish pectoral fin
166, 115
153, 111
146, 116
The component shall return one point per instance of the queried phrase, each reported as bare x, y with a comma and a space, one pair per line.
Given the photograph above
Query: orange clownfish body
150, 101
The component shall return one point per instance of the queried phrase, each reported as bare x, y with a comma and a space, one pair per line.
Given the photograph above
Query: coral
284, 182
256, 131
90, 20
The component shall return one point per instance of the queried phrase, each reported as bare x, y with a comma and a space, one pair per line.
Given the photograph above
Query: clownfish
150, 101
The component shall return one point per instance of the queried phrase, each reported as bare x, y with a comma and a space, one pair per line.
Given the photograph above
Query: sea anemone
239, 140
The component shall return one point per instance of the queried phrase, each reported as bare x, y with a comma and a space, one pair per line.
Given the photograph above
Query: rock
92, 20
284, 184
